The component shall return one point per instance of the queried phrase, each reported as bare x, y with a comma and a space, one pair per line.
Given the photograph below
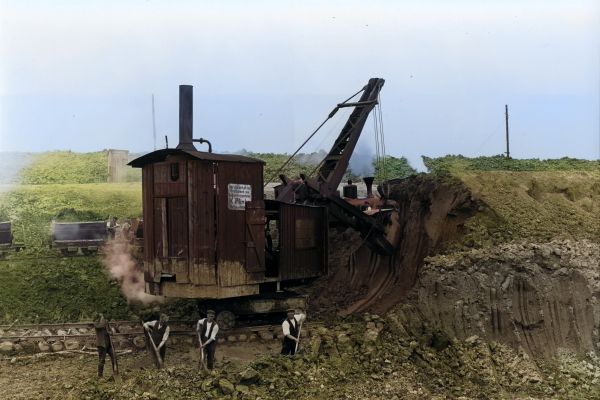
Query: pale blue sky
79, 75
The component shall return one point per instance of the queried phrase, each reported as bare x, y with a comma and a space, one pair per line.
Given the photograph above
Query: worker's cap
210, 312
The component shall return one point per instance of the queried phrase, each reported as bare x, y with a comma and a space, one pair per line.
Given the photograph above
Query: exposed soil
536, 297
430, 212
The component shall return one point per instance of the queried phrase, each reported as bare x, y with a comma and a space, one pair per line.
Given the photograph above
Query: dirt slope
535, 297
430, 212
512, 257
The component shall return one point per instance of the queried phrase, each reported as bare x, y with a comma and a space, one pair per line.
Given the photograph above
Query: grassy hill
48, 289
538, 199
66, 167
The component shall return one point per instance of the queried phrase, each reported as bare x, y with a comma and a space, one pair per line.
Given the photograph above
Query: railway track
35, 338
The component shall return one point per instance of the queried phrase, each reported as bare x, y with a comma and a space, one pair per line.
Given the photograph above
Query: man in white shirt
207, 329
291, 331
159, 333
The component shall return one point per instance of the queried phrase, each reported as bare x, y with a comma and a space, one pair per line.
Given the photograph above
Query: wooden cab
205, 227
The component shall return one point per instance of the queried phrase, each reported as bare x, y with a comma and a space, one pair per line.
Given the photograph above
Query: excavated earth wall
429, 212
531, 296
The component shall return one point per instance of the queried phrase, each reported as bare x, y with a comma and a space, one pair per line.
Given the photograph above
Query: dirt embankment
429, 212
531, 293
535, 297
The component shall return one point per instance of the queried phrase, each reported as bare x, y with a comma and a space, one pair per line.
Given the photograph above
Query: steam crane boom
322, 189
335, 164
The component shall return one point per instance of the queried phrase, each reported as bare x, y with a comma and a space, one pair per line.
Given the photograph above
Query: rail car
72, 237
7, 243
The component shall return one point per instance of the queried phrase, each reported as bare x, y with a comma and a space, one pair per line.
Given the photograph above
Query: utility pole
507, 142
153, 122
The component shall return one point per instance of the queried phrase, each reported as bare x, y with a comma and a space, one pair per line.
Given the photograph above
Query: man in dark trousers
104, 344
158, 331
207, 329
291, 330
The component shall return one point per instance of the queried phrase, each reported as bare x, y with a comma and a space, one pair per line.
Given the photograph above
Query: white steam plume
361, 161
121, 265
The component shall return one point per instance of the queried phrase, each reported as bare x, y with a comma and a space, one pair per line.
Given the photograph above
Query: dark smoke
361, 162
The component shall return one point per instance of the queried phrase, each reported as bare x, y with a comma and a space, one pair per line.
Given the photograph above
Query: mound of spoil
430, 212
538, 297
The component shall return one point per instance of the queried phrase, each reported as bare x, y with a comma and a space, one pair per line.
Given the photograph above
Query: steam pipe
202, 140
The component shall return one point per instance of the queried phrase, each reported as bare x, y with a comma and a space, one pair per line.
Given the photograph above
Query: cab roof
161, 155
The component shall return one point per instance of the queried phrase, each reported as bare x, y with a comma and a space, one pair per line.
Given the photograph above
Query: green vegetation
37, 285
541, 205
66, 167
530, 198
33, 207
50, 289
453, 163
394, 168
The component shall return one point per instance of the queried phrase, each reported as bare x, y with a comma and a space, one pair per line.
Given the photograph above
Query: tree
393, 168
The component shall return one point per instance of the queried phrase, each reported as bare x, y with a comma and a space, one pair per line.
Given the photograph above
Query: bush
394, 168
66, 167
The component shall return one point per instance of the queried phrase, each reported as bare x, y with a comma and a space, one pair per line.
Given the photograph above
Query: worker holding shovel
207, 329
292, 327
157, 333
105, 345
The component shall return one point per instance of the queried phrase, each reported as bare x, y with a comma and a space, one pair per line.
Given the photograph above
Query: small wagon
71, 237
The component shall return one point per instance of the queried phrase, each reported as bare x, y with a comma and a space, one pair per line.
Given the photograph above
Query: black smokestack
186, 117
369, 182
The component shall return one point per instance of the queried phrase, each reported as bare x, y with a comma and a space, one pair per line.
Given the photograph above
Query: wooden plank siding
231, 231
255, 237
170, 178
303, 239
149, 225
201, 203
177, 223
